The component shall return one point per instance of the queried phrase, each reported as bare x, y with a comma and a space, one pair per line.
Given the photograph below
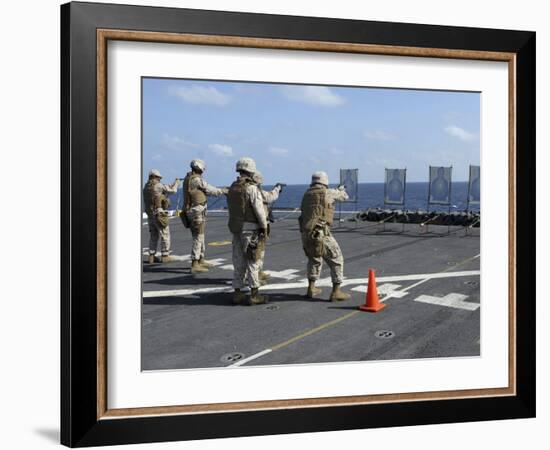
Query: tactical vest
240, 210
316, 208
151, 197
192, 197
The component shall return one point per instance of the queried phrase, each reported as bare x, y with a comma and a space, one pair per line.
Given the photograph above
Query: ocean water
370, 195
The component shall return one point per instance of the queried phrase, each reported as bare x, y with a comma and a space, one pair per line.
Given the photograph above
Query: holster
197, 224
184, 219
255, 248
162, 219
314, 246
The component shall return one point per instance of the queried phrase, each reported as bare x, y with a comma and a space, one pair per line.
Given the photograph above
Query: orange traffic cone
372, 301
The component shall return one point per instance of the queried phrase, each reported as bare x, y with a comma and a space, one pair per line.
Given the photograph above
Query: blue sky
293, 130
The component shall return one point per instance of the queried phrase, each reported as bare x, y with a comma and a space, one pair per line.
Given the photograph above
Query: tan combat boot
197, 268
312, 291
151, 259
238, 297
167, 259
263, 276
337, 295
256, 298
203, 263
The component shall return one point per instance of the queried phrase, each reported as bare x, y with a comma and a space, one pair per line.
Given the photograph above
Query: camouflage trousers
246, 271
197, 221
332, 255
156, 231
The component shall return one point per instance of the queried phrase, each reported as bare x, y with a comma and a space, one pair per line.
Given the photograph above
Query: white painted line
452, 300
216, 262
323, 282
385, 289
251, 358
287, 274
175, 257
184, 292
227, 267
350, 281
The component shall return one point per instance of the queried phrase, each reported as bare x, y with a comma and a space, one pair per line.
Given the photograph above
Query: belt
250, 226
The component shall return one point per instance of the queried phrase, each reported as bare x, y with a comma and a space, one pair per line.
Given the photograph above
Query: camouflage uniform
254, 219
332, 254
154, 195
196, 211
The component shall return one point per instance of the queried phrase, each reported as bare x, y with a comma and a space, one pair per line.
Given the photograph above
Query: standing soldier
268, 197
156, 204
317, 240
248, 224
193, 215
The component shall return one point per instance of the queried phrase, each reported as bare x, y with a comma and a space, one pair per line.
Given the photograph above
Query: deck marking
184, 292
452, 300
219, 243
385, 289
250, 358
287, 274
181, 258
302, 284
227, 267
216, 262
314, 330
350, 281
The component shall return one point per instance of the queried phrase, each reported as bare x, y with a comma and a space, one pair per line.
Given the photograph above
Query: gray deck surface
189, 321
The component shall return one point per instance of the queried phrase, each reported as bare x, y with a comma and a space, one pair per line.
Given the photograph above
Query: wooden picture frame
85, 416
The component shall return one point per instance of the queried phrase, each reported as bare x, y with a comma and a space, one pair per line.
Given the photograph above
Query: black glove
281, 186
262, 233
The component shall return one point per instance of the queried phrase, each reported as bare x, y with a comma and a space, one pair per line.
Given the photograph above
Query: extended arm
338, 195
273, 195
170, 188
208, 189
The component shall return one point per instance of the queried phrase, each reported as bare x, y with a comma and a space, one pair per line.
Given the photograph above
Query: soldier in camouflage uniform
248, 225
195, 193
269, 197
155, 199
317, 240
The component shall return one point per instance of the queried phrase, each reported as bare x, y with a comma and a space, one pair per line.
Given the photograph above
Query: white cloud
379, 135
336, 151
312, 95
221, 149
176, 143
460, 133
278, 151
157, 157
200, 95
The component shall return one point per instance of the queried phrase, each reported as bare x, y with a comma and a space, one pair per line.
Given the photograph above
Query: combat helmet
198, 164
154, 173
319, 177
246, 164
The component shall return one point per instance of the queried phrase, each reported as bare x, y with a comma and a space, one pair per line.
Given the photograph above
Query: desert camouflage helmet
198, 164
246, 164
320, 177
154, 173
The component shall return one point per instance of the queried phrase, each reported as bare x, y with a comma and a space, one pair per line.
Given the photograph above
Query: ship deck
429, 282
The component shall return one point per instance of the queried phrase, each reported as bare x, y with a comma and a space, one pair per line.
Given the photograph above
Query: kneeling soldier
317, 240
248, 225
